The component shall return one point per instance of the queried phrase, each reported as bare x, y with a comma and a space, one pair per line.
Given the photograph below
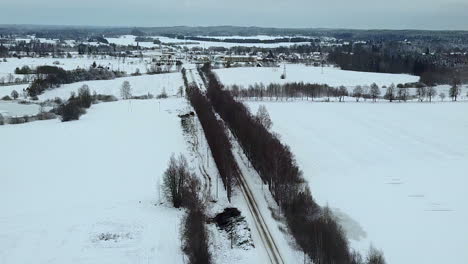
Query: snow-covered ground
207, 44
260, 37
303, 73
12, 108
84, 62
85, 191
126, 40
141, 85
394, 173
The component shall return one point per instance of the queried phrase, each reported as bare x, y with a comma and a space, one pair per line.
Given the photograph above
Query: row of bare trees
315, 229
215, 134
287, 91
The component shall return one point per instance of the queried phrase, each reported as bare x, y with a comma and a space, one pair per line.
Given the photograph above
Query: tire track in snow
265, 235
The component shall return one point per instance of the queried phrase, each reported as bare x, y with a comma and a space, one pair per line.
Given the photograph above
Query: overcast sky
362, 14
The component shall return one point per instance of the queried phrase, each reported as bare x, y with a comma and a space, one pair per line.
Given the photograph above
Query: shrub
58, 100
46, 116
137, 72
84, 97
17, 120
24, 70
6, 98
70, 110
162, 95
106, 98
143, 97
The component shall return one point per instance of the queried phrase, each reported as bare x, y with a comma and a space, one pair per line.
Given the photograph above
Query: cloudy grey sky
362, 14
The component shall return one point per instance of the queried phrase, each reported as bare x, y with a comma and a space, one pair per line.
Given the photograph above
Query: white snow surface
84, 62
12, 108
207, 44
67, 186
141, 85
126, 40
395, 173
260, 37
309, 74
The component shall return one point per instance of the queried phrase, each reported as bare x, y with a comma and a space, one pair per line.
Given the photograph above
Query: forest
433, 68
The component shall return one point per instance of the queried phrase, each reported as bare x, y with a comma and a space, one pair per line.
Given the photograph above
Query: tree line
49, 77
245, 40
282, 92
215, 135
391, 58
314, 229
312, 91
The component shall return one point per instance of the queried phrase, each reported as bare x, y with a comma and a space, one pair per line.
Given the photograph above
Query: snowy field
394, 173
84, 62
126, 40
207, 44
11, 108
260, 37
302, 73
85, 191
141, 85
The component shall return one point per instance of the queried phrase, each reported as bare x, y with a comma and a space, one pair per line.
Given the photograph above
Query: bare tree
442, 96
174, 180
357, 92
390, 93
421, 93
431, 92
342, 92
10, 78
84, 96
375, 256
263, 117
454, 91
403, 93
374, 91
126, 90
180, 92
356, 258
